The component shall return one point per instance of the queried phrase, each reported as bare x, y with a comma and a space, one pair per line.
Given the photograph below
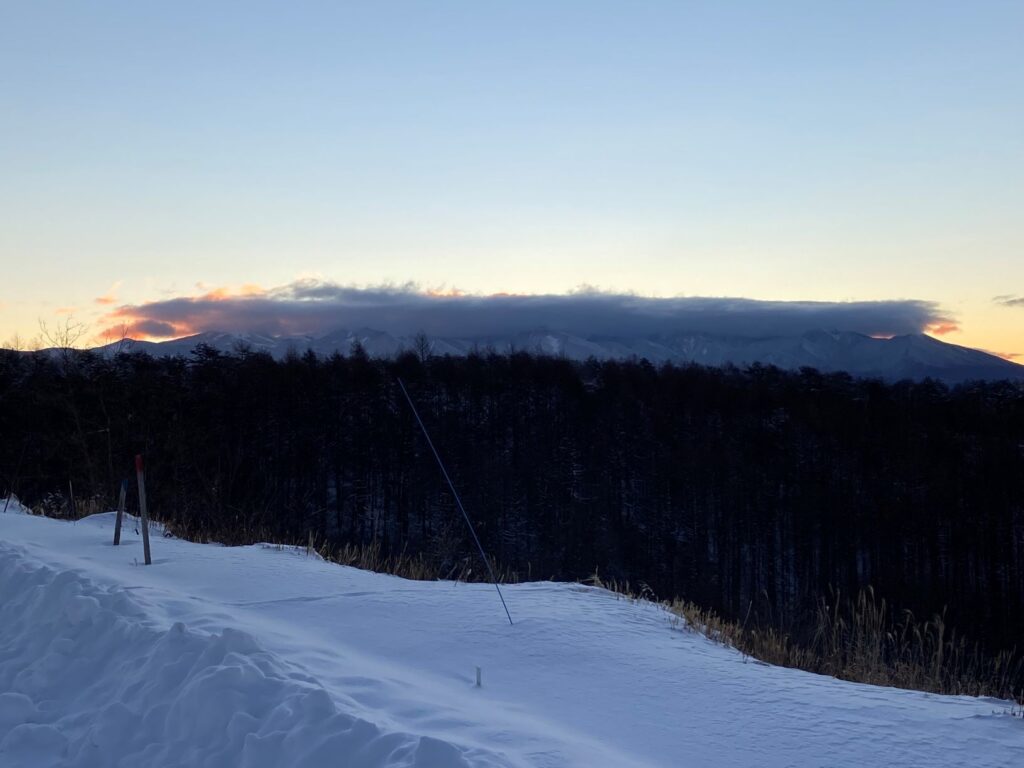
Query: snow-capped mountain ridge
915, 356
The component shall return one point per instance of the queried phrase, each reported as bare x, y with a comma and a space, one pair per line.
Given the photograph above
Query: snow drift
90, 682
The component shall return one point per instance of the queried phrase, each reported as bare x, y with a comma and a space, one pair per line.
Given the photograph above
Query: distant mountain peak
913, 356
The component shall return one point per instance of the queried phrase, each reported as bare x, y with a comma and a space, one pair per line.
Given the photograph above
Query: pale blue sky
817, 150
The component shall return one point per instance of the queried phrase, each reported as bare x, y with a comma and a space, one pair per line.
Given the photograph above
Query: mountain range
913, 356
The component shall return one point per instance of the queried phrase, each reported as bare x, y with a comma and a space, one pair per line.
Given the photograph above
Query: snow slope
261, 656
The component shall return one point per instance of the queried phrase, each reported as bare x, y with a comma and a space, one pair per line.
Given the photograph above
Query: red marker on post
141, 474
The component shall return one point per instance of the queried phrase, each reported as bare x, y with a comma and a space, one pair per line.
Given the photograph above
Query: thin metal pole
455, 493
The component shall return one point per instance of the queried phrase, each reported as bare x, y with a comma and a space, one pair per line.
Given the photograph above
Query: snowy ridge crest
914, 356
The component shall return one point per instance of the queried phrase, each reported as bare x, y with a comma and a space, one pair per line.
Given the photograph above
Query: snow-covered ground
259, 656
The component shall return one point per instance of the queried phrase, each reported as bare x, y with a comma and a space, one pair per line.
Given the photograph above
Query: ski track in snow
261, 656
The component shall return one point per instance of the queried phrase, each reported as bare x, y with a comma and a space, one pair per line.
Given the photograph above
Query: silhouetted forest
743, 490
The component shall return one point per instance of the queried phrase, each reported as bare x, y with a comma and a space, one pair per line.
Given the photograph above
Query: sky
793, 154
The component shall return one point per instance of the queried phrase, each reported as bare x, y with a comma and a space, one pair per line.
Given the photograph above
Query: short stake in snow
120, 512
142, 508
479, 684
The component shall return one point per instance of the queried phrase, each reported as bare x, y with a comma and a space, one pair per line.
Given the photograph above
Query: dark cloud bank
313, 307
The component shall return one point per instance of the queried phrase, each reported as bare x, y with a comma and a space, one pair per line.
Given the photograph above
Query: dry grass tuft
368, 557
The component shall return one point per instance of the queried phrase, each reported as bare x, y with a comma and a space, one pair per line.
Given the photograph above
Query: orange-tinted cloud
942, 328
438, 293
217, 294
134, 322
145, 330
222, 292
110, 297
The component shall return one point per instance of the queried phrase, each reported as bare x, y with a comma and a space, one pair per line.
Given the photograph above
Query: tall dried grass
863, 640
860, 639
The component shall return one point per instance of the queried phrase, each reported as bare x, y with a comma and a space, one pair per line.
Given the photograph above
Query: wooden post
140, 473
72, 510
120, 512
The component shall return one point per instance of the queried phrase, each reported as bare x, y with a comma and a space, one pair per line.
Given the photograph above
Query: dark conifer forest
751, 491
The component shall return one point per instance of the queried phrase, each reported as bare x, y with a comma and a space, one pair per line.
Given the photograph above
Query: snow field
260, 656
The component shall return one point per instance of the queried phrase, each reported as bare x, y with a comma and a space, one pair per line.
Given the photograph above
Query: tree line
750, 491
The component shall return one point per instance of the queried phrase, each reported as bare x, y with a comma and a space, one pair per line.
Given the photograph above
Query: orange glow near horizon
133, 330
1011, 356
127, 322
